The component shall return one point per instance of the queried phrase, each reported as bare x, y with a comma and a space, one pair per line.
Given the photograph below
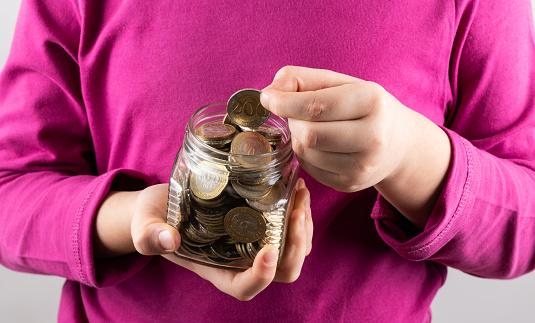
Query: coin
222, 199
193, 251
232, 192
189, 238
272, 200
225, 251
270, 132
250, 143
208, 180
245, 225
226, 120
244, 253
251, 192
215, 131
244, 108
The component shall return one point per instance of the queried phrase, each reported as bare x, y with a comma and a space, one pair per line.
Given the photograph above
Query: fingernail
264, 99
270, 257
166, 241
307, 203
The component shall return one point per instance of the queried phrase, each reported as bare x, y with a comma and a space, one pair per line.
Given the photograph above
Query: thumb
150, 234
156, 239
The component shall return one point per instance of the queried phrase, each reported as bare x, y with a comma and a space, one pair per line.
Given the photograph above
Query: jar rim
284, 149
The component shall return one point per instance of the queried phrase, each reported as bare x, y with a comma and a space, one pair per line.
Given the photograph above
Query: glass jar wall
230, 191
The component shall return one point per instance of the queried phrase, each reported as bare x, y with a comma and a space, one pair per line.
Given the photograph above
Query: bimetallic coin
251, 144
245, 224
208, 180
215, 131
244, 108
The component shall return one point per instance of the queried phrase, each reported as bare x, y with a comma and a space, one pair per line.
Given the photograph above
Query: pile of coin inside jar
227, 211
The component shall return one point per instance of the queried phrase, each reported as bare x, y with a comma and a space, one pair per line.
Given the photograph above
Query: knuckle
366, 170
348, 184
297, 147
315, 108
244, 297
292, 277
309, 138
378, 95
378, 138
348, 188
285, 79
285, 71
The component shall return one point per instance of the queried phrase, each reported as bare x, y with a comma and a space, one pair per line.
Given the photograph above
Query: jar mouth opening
216, 112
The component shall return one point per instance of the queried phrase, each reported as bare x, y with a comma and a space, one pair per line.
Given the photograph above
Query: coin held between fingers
244, 108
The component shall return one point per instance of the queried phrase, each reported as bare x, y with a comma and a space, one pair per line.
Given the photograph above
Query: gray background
463, 299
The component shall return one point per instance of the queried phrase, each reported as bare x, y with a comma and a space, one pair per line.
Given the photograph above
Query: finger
339, 182
309, 226
302, 201
333, 162
299, 79
295, 248
156, 239
300, 184
220, 278
335, 136
249, 283
241, 285
344, 102
301, 195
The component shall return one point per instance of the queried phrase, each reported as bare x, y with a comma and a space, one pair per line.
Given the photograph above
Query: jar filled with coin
232, 182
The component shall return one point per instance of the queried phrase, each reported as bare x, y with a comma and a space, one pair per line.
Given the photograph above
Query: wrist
112, 227
415, 185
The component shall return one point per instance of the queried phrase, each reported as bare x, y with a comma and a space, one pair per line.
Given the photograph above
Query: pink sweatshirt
96, 94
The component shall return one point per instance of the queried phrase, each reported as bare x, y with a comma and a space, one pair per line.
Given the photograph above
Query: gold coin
244, 108
250, 143
245, 224
208, 180
215, 131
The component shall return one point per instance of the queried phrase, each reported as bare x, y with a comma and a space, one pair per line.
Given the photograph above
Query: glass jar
228, 206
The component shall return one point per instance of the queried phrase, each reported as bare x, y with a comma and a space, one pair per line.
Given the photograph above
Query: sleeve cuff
80, 230
446, 218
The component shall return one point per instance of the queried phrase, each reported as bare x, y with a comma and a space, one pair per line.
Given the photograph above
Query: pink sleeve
484, 220
49, 189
